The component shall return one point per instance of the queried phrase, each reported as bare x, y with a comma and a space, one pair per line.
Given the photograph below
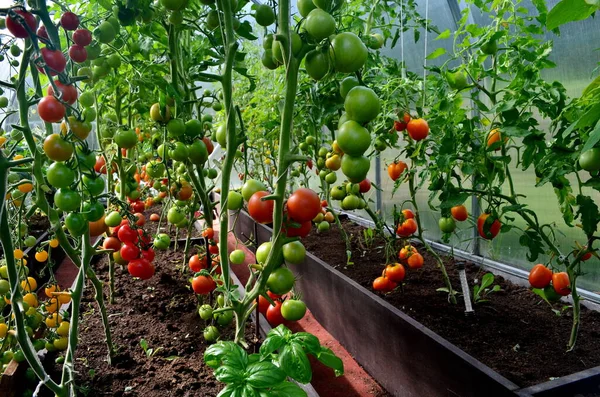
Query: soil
172, 231
38, 224
515, 332
163, 311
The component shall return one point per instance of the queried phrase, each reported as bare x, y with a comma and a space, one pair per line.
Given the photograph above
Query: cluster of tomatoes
204, 266
395, 273
131, 246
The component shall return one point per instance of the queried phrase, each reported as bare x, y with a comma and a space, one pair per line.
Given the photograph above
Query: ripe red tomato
42, 32
16, 29
127, 235
396, 169
261, 211
540, 276
263, 305
141, 219
111, 243
488, 230
407, 228
561, 283
303, 205
395, 272
144, 238
209, 145
408, 214
69, 21
196, 263
82, 37
78, 53
365, 185
274, 316
399, 125
148, 254
141, 268
213, 249
203, 285
138, 206
459, 213
55, 60
51, 110
418, 129
209, 233
100, 165
69, 92
302, 231
383, 284
129, 251
415, 261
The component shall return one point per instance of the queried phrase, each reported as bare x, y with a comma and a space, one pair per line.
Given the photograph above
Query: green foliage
482, 292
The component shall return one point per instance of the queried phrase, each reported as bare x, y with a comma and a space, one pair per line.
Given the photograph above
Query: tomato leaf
225, 353
437, 53
592, 88
264, 374
532, 240
294, 362
588, 210
568, 11
271, 344
327, 357
593, 139
444, 35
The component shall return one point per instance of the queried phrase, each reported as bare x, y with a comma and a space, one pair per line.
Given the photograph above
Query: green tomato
198, 153
331, 178
590, 160
86, 99
105, 32
76, 223
348, 52
362, 104
179, 152
235, 201
355, 168
175, 215
212, 173
350, 203
176, 128
94, 185
319, 24
4, 284
4, 272
281, 281
490, 47
224, 318
93, 211
237, 257
29, 241
338, 192
193, 128
211, 333
126, 139
323, 226
447, 225
114, 61
293, 309
252, 186
67, 199
113, 219
457, 80
294, 253
263, 251
205, 312
162, 241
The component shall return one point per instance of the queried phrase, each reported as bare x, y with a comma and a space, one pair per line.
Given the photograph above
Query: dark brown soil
515, 333
38, 224
163, 311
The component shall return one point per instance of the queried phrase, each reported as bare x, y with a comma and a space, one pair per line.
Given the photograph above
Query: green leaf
437, 53
327, 357
568, 11
230, 391
533, 241
593, 139
144, 344
229, 375
225, 353
294, 362
271, 344
594, 85
444, 35
281, 331
588, 210
487, 280
309, 342
264, 374
285, 389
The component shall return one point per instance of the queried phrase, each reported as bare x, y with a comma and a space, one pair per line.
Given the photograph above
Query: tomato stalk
419, 236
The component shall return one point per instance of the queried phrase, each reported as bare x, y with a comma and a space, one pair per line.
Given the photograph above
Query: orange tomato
540, 276
561, 283
495, 136
408, 214
185, 192
383, 284
459, 213
154, 217
25, 187
406, 252
396, 169
415, 261
407, 228
209, 233
418, 129
395, 272
98, 227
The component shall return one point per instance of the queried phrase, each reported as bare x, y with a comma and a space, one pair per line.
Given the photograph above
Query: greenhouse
300, 198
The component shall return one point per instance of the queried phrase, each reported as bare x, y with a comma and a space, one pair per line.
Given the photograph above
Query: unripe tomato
447, 225
293, 310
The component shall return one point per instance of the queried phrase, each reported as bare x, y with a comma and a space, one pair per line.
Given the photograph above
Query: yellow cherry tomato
3, 330
31, 300
41, 256
29, 285
53, 320
53, 243
63, 328
61, 343
18, 254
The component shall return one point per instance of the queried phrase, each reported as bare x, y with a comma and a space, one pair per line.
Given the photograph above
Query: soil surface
163, 311
165, 227
515, 333
38, 224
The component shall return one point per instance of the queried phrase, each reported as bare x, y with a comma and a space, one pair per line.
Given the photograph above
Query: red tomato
196, 263
82, 37
408, 214
301, 231
78, 53
144, 237
111, 243
418, 129
396, 169
261, 211
141, 219
100, 165
69, 21
383, 284
68, 92
213, 249
16, 29
540, 276
561, 283
51, 110
365, 185
303, 205
459, 213
415, 261
138, 206
209, 233
407, 228
209, 145
55, 60
263, 305
129, 251
395, 272
399, 125
141, 268
488, 231
203, 285
127, 235
274, 316
43, 33
149, 254
324, 203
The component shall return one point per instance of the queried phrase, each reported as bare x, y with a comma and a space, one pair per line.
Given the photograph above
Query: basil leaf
230, 391
229, 375
294, 362
264, 374
327, 357
309, 342
281, 331
286, 389
271, 344
225, 353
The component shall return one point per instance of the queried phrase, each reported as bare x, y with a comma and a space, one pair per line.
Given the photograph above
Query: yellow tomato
31, 300
64, 298
3, 330
18, 157
29, 285
53, 243
18, 254
2, 141
53, 320
63, 328
41, 256
52, 305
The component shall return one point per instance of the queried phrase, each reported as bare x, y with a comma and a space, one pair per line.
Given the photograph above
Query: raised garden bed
396, 337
